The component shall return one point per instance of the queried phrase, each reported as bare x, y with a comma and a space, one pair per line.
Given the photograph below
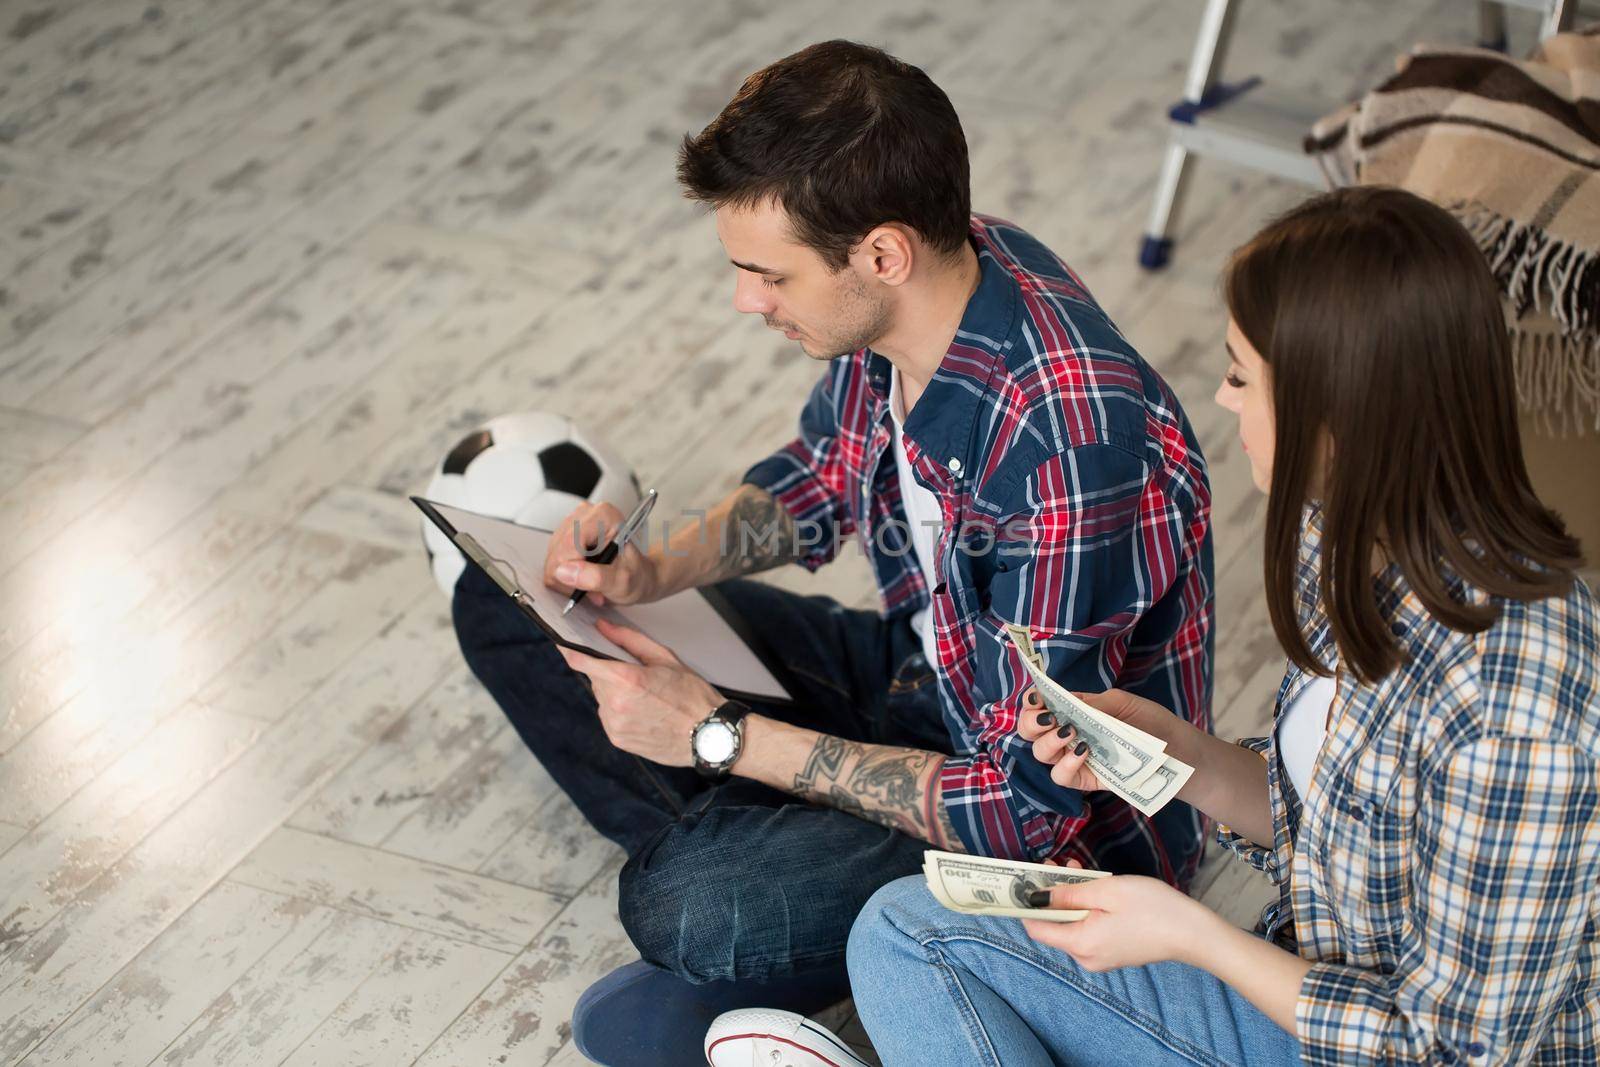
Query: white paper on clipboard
686, 622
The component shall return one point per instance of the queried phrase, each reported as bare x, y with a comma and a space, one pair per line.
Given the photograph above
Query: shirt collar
941, 423
1397, 603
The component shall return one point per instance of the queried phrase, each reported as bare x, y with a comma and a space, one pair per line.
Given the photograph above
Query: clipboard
709, 634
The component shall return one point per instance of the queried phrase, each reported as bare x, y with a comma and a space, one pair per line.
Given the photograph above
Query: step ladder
1246, 123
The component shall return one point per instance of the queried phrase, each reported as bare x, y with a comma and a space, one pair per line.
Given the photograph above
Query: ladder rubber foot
1154, 252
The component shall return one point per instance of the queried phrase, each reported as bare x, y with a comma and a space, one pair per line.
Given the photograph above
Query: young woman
1428, 802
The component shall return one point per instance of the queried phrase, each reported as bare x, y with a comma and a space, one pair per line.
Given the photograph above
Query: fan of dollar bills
976, 885
1129, 762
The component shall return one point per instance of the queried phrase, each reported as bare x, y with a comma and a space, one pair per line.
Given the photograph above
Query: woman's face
1246, 391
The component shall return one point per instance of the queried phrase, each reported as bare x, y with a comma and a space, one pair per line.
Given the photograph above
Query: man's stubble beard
862, 321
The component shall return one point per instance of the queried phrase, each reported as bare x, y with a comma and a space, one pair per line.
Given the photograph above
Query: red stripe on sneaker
772, 1037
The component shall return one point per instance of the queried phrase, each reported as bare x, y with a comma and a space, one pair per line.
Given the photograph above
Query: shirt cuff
1347, 1015
1260, 857
809, 501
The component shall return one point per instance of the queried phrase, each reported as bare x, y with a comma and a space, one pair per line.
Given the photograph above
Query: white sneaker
766, 1037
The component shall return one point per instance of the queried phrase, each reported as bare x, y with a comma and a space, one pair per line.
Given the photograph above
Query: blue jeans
737, 880
936, 987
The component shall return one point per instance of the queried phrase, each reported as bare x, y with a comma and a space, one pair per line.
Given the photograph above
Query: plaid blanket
1512, 147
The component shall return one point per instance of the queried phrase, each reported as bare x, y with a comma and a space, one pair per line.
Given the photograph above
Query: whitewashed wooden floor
261, 263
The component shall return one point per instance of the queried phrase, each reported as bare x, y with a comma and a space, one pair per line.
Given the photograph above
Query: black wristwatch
717, 740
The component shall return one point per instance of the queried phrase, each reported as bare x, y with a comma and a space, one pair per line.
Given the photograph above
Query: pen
615, 545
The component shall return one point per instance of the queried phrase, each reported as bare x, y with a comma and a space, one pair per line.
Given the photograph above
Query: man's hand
648, 708
631, 578
1132, 920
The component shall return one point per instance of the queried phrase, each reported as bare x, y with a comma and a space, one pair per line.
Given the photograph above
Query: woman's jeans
729, 881
935, 987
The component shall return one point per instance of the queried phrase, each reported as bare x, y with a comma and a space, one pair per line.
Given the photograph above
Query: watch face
713, 742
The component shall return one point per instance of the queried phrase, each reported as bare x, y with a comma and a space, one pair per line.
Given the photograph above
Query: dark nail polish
1064, 731
1045, 718
1038, 898
1080, 748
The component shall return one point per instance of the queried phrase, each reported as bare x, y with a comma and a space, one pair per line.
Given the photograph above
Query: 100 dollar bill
1128, 761
977, 885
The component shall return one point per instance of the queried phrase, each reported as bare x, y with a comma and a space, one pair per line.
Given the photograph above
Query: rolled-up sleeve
1091, 545
1503, 883
807, 476
1260, 857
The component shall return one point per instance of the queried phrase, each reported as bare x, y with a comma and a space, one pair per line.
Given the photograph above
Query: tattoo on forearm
893, 787
757, 535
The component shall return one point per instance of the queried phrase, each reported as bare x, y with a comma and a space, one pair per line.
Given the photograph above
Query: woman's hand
1066, 754
1132, 920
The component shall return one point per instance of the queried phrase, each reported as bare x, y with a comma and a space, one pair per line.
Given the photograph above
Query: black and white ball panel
532, 468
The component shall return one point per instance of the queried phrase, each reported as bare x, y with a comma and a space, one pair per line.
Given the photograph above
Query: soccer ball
532, 468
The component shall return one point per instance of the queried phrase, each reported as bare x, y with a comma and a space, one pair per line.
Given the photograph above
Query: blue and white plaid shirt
1443, 873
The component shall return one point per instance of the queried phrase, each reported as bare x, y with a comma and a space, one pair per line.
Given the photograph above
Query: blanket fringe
1558, 379
1558, 374
1535, 271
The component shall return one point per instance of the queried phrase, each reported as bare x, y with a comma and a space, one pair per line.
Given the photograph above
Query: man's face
831, 314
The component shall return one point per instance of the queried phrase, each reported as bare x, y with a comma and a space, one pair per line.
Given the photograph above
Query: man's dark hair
845, 137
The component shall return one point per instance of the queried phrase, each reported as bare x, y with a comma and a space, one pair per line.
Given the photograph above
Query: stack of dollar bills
1129, 762
976, 885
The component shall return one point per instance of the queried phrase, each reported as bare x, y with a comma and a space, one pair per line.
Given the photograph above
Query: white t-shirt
1301, 731
922, 513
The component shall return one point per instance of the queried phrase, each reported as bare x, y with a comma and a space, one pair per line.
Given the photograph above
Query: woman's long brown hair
1390, 360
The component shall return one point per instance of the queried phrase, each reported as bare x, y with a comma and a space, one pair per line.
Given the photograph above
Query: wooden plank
414, 993
419, 895
95, 606
568, 1056
488, 314
136, 1015
339, 59
357, 513
16, 195
154, 64
313, 639
168, 233
218, 456
128, 689
560, 362
66, 852
556, 850
523, 1016
300, 322
10, 835
401, 770
1239, 892
35, 215
227, 425
479, 806
278, 1003
591, 165
47, 39
31, 438
63, 964
137, 352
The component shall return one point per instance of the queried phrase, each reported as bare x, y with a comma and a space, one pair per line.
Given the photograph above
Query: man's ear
887, 254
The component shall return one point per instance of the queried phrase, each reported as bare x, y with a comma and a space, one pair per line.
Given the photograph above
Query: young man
1003, 455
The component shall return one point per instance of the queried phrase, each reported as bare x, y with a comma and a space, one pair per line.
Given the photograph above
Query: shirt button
955, 465
1477, 1048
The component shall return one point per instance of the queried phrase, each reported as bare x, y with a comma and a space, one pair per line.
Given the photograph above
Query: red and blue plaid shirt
1074, 502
